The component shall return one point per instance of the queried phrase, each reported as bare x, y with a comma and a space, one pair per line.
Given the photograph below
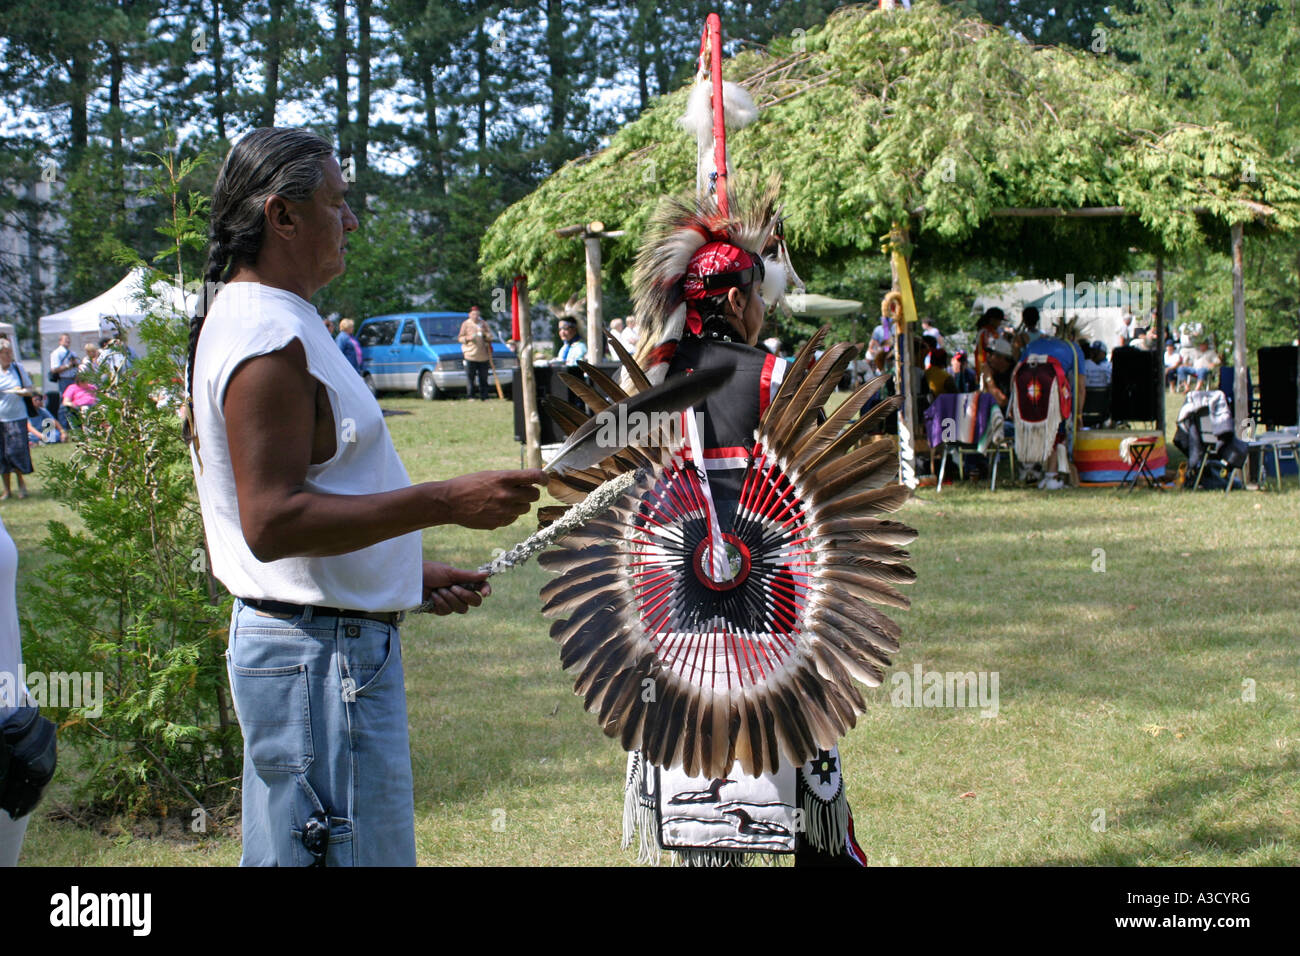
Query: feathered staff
599, 463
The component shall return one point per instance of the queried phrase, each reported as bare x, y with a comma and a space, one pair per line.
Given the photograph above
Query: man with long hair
311, 520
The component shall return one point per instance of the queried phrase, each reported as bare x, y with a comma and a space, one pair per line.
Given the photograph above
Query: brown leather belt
391, 618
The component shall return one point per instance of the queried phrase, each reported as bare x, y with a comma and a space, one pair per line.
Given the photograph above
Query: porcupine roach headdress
690, 247
757, 665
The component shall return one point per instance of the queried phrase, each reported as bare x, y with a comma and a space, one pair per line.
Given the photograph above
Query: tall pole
1160, 343
711, 47
595, 302
528, 382
1240, 389
903, 358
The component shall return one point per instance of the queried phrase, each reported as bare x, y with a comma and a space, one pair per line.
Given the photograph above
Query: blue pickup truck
420, 351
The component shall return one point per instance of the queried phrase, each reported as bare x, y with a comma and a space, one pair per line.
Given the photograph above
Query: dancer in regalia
720, 614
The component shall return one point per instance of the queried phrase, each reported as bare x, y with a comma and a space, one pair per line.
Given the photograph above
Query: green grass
1120, 690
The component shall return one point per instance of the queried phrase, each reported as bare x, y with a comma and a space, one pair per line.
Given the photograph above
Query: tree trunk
341, 78
361, 144
663, 72
116, 68
1240, 389
78, 95
595, 303
218, 78
271, 90
35, 281
1160, 343
528, 382
557, 62
432, 131
642, 60
481, 96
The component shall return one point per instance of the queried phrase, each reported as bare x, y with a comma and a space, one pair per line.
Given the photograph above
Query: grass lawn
1121, 737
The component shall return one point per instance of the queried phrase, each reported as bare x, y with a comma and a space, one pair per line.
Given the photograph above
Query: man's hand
492, 499
453, 590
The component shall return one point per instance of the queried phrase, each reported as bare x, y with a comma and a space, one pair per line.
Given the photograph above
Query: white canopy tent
99, 318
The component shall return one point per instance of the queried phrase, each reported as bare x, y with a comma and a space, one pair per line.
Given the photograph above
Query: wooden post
595, 302
1240, 390
1160, 343
591, 234
528, 382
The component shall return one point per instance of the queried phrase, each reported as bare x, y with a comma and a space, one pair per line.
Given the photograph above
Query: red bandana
713, 259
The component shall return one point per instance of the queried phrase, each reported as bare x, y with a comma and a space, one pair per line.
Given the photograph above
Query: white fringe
1035, 440
827, 823
711, 858
637, 817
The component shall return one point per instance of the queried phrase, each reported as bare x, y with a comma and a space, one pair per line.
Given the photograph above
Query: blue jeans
321, 702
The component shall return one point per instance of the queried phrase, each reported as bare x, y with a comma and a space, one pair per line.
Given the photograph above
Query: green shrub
129, 594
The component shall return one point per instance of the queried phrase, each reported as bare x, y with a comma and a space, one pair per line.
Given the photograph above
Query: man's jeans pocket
275, 715
340, 846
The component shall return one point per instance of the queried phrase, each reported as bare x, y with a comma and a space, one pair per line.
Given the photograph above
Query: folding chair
997, 446
1096, 406
1214, 451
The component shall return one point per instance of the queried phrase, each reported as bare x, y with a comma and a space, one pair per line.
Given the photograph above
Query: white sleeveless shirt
248, 319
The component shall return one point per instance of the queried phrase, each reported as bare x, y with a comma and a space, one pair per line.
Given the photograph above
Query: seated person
1096, 369
999, 360
938, 379
77, 397
1173, 361
43, 428
1206, 362
574, 350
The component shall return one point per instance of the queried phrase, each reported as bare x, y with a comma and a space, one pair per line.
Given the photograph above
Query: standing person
631, 334
713, 318
928, 328
1029, 319
962, 376
15, 452
316, 535
113, 358
90, 364
616, 331
476, 345
349, 346
28, 751
988, 329
63, 370
1126, 331
573, 350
